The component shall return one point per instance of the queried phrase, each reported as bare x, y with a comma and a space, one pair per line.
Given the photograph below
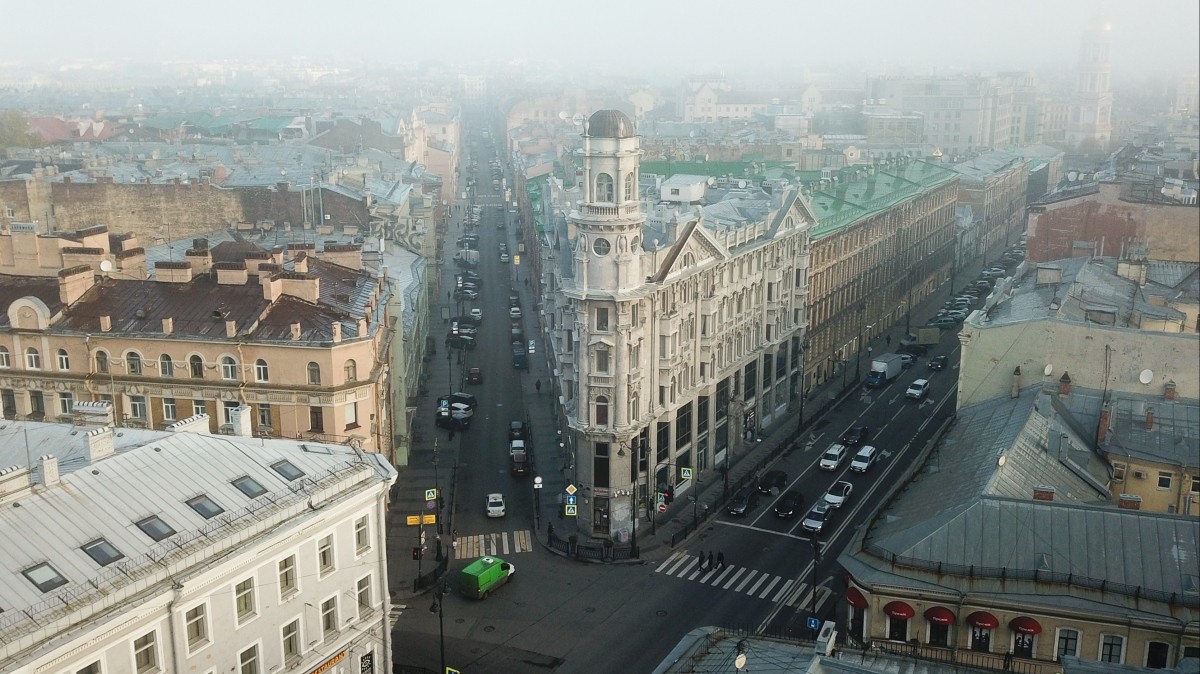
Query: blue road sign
813, 623
571, 499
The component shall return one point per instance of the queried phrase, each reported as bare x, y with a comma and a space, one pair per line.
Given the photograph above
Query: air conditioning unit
1139, 474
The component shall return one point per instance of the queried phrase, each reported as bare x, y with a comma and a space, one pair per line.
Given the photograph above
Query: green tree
14, 131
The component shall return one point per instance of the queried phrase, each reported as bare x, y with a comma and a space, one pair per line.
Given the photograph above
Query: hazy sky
696, 36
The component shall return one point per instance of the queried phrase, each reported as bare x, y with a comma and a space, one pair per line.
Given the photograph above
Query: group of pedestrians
707, 564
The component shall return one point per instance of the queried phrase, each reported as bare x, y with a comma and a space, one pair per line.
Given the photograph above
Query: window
325, 554
93, 668
362, 534
287, 577
243, 599
260, 370
601, 247
1112, 648
351, 415
64, 361
199, 407
228, 368
314, 374
264, 416
227, 409
363, 592
939, 634
316, 420
102, 552
101, 361
629, 194
1164, 479
248, 661
683, 426
601, 319
156, 528
1158, 655
602, 361
133, 363
601, 410
44, 577
291, 640
897, 629
604, 188
5, 358
1195, 484
145, 653
137, 407
351, 370
169, 409
249, 486
205, 506
66, 403
196, 366
195, 622
288, 470
33, 359
166, 367
1068, 643
329, 621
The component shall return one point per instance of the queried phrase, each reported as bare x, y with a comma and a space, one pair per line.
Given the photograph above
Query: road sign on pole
571, 510
813, 623
685, 473
662, 507
430, 494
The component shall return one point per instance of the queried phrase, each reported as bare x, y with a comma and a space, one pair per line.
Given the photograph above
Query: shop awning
1025, 625
983, 619
939, 615
855, 598
899, 610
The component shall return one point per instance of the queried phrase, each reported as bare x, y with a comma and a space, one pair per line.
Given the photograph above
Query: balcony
604, 211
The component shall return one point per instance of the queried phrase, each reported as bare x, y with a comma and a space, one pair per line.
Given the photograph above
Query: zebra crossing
735, 578
497, 544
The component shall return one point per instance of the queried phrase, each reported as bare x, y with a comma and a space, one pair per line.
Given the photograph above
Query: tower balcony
602, 212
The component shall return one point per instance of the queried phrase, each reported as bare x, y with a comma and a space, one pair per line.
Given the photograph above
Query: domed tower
609, 221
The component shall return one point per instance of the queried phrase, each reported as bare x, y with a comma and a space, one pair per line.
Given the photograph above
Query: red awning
1025, 625
939, 615
898, 609
855, 598
983, 619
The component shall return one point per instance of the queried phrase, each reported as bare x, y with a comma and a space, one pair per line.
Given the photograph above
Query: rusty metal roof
198, 308
13, 288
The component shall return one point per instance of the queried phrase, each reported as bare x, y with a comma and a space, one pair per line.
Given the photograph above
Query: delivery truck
884, 368
483, 576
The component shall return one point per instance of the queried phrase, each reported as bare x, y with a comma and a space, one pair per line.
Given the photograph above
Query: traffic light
417, 552
669, 495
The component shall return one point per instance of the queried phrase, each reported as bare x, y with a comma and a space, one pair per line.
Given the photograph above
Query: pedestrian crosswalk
735, 578
496, 544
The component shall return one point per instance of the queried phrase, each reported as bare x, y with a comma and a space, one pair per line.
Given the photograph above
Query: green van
484, 575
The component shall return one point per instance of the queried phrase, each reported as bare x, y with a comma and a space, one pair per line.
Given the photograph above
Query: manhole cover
489, 628
660, 614
590, 609
460, 620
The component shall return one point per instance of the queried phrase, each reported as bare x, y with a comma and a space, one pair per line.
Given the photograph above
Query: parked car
832, 458
461, 342
518, 465
477, 314
814, 521
916, 350
773, 480
942, 323
838, 493
516, 430
475, 375
514, 312
743, 501
938, 363
461, 413
863, 460
906, 360
855, 435
788, 504
466, 295
495, 505
467, 320
984, 286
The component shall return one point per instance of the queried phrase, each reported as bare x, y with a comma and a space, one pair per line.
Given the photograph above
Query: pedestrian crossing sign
685, 473
571, 510
430, 494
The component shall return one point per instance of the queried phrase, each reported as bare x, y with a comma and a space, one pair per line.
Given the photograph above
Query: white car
477, 314
532, 346
514, 312
461, 411
918, 389
504, 257
863, 460
833, 457
837, 494
495, 505
516, 447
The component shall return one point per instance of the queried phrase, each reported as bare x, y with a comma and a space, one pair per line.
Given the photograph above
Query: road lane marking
734, 578
754, 588
725, 572
675, 558
767, 591
783, 590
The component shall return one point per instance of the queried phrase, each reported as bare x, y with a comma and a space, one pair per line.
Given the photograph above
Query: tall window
196, 625
314, 374
602, 361
248, 661
351, 370
1112, 648
102, 361
196, 365
228, 368
601, 410
5, 358
145, 654
1068, 643
629, 194
137, 408
363, 592
169, 409
260, 370
362, 534
243, 597
33, 359
604, 188
64, 361
133, 363
264, 416
291, 640
352, 415
199, 407
1158, 655
325, 554
66, 403
166, 367
316, 420
329, 621
602, 319
287, 577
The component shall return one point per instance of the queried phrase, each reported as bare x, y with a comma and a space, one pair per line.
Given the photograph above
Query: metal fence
594, 553
973, 659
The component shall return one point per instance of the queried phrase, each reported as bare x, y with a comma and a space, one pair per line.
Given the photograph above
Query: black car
743, 501
516, 430
938, 363
461, 342
775, 479
788, 504
855, 436
915, 350
467, 320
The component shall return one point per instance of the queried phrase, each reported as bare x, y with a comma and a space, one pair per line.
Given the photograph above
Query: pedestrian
447, 294
889, 340
451, 432
710, 561
526, 282
538, 386
701, 560
720, 560
1008, 661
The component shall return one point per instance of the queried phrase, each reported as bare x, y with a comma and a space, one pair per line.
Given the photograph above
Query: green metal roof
853, 199
272, 124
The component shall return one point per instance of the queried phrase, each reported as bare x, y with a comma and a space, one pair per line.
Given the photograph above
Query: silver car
838, 494
814, 521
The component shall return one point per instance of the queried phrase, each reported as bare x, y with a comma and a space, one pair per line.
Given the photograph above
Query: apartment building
148, 551
670, 345
962, 115
995, 185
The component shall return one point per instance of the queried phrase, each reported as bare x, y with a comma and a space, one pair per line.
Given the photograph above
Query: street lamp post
812, 600
437, 608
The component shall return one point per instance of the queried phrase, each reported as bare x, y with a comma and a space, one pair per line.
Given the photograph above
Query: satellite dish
740, 661
106, 266
1146, 376
1048, 370
1072, 176
577, 120
563, 115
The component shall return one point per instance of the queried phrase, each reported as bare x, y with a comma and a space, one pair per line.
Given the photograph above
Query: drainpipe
176, 587
384, 594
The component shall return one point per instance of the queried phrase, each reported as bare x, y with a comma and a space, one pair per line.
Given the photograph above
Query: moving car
854, 436
466, 295
477, 314
837, 494
863, 460
914, 350
475, 375
516, 430
743, 501
942, 323
519, 465
461, 342
938, 363
814, 521
516, 447
832, 458
918, 389
788, 504
906, 360
773, 480
495, 505
482, 576
504, 257
461, 413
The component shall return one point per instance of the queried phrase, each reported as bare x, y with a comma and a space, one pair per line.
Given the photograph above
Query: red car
475, 376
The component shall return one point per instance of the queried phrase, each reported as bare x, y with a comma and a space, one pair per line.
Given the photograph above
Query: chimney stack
1169, 391
1102, 429
1149, 418
49, 465
1043, 493
1129, 502
336, 328
1064, 384
1016, 383
100, 444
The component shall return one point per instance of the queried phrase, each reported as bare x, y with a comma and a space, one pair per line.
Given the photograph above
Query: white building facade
149, 551
672, 346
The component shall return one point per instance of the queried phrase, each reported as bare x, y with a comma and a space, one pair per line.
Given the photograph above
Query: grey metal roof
1173, 437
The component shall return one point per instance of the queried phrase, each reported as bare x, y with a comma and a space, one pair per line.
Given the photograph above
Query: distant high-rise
1091, 114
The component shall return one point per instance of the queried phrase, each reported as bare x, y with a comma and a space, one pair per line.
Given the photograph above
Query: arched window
630, 194
5, 358
33, 359
351, 370
133, 363
604, 188
228, 368
314, 374
601, 410
102, 361
64, 361
166, 367
196, 365
260, 370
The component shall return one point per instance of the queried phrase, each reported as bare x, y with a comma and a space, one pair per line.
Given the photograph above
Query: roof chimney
1064, 384
100, 444
106, 323
1169, 391
172, 271
1149, 418
1102, 427
49, 465
1129, 502
231, 273
336, 328
296, 331
168, 325
1043, 493
74, 282
1016, 383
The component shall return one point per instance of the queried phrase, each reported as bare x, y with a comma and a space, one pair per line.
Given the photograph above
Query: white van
832, 458
863, 460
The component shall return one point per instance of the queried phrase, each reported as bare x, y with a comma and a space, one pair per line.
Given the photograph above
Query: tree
14, 131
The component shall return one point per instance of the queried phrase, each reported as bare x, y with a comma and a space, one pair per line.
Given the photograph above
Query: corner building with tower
673, 343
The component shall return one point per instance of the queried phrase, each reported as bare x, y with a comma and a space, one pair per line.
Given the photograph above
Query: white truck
884, 368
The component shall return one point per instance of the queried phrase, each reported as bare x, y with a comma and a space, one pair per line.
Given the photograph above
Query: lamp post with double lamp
436, 607
812, 600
